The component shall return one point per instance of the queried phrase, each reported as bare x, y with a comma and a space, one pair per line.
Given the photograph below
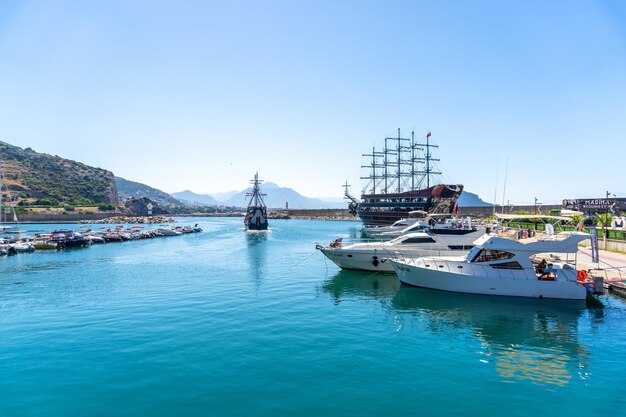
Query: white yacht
372, 256
415, 218
442, 226
500, 266
399, 225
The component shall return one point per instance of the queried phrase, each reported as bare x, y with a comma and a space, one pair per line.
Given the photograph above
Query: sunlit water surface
227, 323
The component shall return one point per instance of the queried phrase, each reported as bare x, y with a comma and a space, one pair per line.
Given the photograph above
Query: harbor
339, 209
229, 303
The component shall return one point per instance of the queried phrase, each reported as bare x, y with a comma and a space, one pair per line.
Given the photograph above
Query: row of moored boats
455, 255
61, 239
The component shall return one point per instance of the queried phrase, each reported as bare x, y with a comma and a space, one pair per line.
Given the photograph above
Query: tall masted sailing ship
256, 214
402, 178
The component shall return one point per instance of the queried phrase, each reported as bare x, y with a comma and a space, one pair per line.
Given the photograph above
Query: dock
611, 268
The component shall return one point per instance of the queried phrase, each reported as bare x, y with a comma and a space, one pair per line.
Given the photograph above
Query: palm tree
577, 219
604, 220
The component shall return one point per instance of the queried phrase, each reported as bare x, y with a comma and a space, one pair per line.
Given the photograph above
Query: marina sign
596, 204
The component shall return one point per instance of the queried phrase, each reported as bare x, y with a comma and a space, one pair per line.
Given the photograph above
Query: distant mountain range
223, 196
276, 198
127, 189
190, 197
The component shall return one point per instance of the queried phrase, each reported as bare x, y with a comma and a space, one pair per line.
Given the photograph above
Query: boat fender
375, 260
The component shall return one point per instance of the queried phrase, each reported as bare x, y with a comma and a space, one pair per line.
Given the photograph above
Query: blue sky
200, 95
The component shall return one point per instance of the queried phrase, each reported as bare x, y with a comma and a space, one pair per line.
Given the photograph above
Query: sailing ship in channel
401, 180
5, 226
256, 214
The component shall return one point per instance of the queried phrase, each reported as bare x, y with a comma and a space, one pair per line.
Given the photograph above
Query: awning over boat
568, 244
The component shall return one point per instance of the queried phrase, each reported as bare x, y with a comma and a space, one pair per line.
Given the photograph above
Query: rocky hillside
130, 189
39, 178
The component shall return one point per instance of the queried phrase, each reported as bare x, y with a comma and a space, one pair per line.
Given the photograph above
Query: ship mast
256, 196
400, 162
374, 155
414, 159
387, 151
408, 153
428, 159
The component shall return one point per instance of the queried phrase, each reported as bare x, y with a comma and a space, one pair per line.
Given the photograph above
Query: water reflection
347, 284
257, 258
526, 339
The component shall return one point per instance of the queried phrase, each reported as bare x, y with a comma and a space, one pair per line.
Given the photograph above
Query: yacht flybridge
501, 266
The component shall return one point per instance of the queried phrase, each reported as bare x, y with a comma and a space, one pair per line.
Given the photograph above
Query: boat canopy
568, 244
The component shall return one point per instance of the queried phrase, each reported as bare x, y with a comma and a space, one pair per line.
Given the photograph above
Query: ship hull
256, 218
253, 226
382, 209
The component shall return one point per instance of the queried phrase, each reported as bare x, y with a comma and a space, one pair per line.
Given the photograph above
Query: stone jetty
131, 220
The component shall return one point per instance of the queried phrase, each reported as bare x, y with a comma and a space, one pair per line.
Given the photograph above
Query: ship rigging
399, 181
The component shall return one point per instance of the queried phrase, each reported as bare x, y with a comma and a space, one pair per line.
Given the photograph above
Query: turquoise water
226, 323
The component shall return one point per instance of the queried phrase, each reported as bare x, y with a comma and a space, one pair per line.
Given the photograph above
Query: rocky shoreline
131, 220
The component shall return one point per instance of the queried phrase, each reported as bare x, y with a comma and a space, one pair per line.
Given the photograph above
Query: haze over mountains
190, 197
276, 198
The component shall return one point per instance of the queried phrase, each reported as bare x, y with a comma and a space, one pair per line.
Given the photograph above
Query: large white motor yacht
372, 256
500, 266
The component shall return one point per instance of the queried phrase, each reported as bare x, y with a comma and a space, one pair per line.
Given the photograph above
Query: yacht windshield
400, 223
473, 253
416, 227
486, 255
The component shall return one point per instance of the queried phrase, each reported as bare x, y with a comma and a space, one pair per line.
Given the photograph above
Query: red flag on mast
428, 134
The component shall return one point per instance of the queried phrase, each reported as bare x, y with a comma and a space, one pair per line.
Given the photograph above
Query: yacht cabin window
419, 240
487, 255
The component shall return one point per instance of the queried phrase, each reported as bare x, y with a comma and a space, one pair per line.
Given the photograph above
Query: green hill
38, 178
127, 189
